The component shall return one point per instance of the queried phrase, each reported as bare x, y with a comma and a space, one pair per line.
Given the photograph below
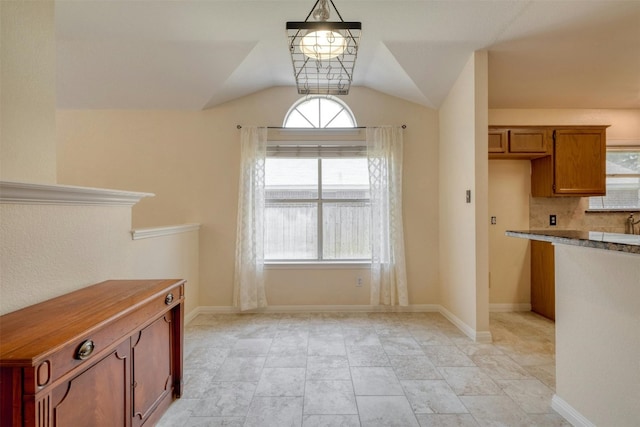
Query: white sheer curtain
388, 272
248, 286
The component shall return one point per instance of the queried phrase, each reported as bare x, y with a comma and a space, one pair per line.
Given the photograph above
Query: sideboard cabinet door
152, 368
97, 397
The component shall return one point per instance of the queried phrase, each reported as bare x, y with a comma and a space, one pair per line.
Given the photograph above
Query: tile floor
365, 369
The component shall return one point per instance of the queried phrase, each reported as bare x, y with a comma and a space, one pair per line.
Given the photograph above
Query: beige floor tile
531, 395
328, 368
500, 367
215, 422
367, 355
432, 396
240, 369
281, 382
231, 360
446, 355
446, 420
329, 398
251, 347
375, 381
330, 421
386, 411
414, 368
326, 345
224, 399
274, 412
289, 360
470, 381
496, 411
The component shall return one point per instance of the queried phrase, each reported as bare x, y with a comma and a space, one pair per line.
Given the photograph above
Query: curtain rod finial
404, 126
238, 127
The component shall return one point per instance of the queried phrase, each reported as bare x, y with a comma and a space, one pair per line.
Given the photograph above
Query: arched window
320, 112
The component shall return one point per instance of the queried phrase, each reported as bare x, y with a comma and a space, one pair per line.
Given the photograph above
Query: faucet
630, 226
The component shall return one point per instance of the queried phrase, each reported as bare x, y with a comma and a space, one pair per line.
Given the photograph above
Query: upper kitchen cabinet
576, 166
518, 142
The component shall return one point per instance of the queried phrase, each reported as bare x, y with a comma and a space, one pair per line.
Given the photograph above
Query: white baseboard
477, 336
416, 308
502, 308
569, 413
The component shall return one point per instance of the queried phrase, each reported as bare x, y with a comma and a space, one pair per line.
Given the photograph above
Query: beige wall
597, 340
50, 250
190, 161
463, 226
624, 124
173, 256
509, 258
27, 91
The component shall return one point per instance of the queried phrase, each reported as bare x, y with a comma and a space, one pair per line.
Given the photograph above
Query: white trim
569, 413
477, 336
502, 308
324, 265
315, 135
146, 233
53, 194
191, 315
350, 308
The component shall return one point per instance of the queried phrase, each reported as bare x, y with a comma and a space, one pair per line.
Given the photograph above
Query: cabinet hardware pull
85, 350
169, 299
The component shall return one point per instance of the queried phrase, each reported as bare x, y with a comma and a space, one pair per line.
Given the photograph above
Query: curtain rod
280, 127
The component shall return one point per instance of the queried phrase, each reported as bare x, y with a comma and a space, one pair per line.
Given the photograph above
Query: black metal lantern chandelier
323, 53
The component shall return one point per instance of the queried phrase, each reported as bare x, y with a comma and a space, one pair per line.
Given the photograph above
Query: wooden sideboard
106, 355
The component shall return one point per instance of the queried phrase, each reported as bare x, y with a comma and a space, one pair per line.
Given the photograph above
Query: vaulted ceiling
185, 54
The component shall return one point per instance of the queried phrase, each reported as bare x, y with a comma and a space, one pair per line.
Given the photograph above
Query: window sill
317, 265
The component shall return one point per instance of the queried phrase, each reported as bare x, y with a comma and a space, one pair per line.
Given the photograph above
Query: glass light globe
323, 44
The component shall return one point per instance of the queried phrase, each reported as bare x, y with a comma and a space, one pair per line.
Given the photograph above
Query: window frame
618, 148
343, 107
319, 201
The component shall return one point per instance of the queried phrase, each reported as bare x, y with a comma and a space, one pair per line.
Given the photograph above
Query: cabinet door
498, 140
99, 396
152, 368
543, 287
579, 162
527, 140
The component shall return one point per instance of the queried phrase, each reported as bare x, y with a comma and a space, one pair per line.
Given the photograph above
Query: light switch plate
468, 196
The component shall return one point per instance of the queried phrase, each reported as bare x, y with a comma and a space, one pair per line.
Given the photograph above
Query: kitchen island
597, 279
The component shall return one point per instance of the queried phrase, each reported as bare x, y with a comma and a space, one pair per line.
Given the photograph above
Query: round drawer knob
85, 350
169, 299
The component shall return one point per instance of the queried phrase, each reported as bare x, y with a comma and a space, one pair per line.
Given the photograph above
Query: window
623, 180
317, 209
317, 196
319, 112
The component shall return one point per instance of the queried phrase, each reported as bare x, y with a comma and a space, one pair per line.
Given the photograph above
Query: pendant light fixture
323, 52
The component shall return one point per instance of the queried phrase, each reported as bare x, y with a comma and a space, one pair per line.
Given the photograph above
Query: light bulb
323, 44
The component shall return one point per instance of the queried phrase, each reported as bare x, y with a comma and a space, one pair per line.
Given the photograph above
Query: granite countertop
629, 243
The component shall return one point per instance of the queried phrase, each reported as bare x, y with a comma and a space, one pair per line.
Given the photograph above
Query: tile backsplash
571, 215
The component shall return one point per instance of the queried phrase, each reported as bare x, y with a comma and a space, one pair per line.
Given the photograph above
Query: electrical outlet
552, 220
493, 220
359, 282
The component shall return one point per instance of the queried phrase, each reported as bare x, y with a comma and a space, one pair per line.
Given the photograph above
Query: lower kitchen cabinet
107, 355
543, 287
